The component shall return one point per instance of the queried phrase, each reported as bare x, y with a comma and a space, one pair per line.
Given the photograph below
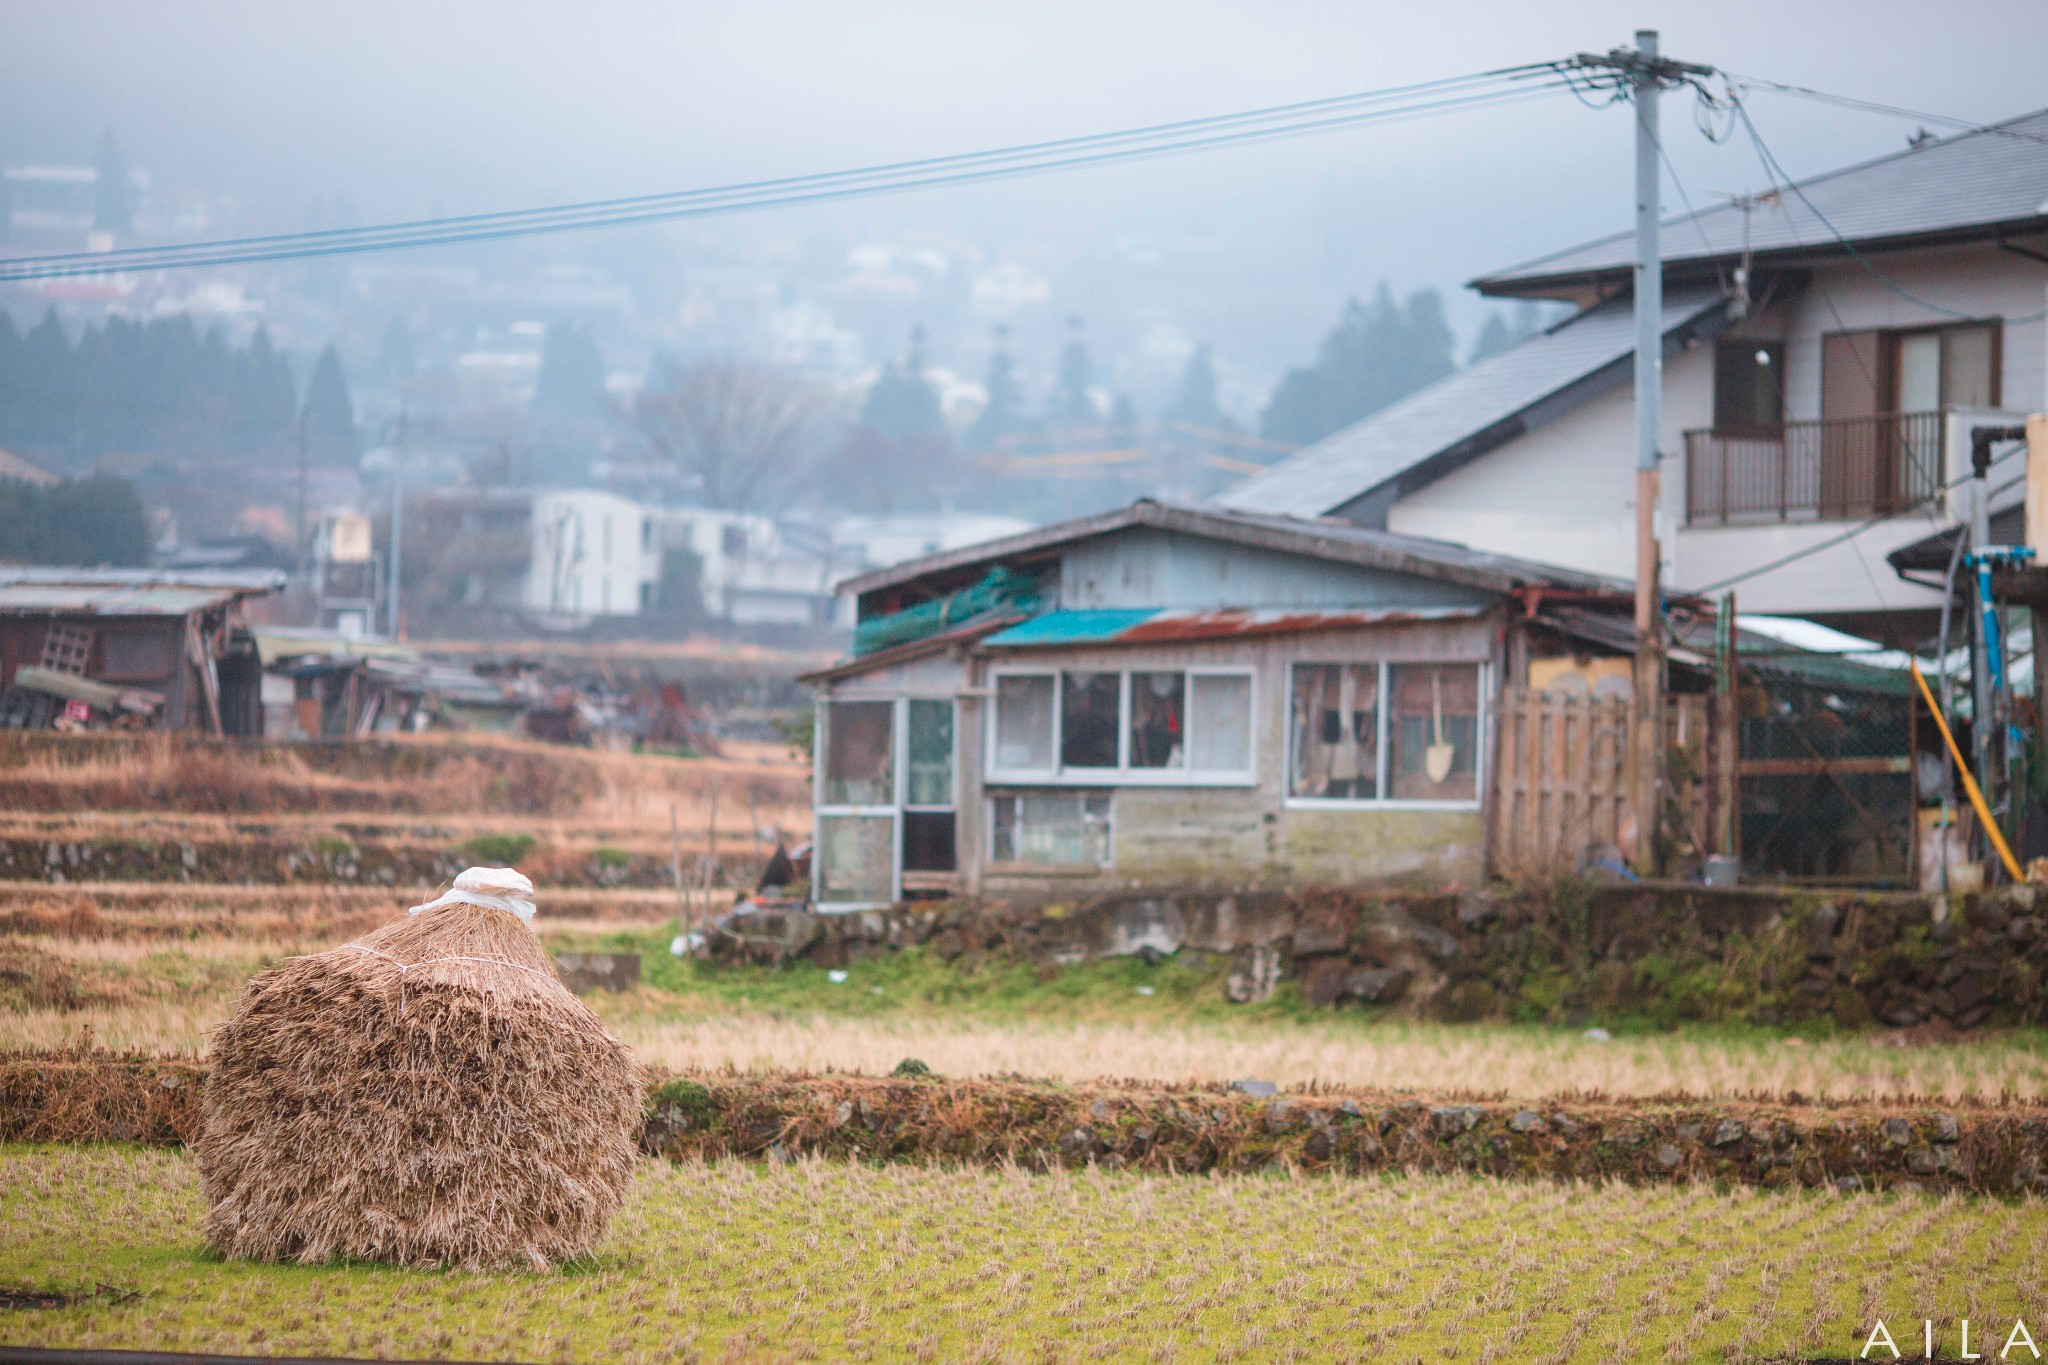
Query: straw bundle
428, 1095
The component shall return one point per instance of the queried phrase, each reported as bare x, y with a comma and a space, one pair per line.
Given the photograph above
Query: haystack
429, 1094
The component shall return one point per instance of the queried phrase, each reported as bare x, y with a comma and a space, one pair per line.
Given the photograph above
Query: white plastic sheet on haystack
497, 888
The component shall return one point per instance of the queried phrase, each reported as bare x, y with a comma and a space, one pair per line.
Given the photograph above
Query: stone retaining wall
1661, 951
1984, 1149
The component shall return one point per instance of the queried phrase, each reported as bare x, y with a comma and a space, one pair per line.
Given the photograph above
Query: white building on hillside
594, 554
751, 569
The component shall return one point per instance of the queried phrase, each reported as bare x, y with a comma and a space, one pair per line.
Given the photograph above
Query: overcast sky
473, 104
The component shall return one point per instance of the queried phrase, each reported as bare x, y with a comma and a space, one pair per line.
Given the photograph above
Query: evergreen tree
1496, 334
113, 193
1494, 337
899, 453
1374, 356
79, 521
1072, 405
266, 402
570, 385
329, 413
48, 383
1195, 401
1003, 414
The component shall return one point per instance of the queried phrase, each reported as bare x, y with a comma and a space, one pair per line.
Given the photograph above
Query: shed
134, 648
1166, 695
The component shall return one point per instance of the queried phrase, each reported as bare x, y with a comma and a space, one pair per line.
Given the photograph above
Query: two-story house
1827, 348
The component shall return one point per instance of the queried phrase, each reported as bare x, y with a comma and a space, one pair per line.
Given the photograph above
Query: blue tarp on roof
1074, 627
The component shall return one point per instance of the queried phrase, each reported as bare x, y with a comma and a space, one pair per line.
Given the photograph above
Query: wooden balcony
1834, 469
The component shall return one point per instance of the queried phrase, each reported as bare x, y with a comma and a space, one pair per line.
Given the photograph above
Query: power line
1454, 94
1776, 171
1875, 107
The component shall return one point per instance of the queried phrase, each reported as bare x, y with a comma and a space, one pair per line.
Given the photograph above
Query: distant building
594, 554
751, 569
130, 649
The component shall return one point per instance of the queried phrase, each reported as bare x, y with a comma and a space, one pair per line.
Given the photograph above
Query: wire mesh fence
1826, 768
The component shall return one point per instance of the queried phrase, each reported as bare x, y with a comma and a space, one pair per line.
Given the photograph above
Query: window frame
899, 789
1123, 775
1382, 757
1077, 791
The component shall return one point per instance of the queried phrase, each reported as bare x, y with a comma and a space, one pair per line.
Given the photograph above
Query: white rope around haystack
495, 888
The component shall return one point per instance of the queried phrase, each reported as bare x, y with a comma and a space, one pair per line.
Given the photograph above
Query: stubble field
826, 1261
815, 1260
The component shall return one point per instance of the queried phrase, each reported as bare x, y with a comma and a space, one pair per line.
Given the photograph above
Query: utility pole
397, 524
302, 499
1645, 73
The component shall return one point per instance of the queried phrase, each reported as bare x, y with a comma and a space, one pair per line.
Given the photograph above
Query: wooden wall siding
1562, 781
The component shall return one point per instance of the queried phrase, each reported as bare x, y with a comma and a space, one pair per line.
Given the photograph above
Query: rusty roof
1173, 626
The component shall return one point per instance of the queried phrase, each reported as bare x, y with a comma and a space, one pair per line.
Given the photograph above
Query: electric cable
1485, 90
1776, 170
1961, 125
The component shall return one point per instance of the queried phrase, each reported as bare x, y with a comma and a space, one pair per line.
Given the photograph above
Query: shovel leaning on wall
1436, 759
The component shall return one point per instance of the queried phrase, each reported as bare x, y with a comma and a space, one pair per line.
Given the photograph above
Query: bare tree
744, 433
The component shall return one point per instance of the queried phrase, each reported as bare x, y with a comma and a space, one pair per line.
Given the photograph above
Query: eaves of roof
1980, 185
912, 649
1315, 538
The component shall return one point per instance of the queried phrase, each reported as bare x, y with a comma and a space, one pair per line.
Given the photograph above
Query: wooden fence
1565, 769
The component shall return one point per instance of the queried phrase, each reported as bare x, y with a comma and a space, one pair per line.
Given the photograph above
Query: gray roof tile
1318, 479
1962, 185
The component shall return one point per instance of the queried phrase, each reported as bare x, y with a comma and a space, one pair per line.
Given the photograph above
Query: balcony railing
1835, 469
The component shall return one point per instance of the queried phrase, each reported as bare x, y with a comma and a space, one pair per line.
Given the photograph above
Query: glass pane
1051, 827
1024, 722
1920, 372
855, 856
928, 844
860, 753
1158, 730
1966, 378
1088, 719
1434, 735
931, 753
1220, 725
1335, 722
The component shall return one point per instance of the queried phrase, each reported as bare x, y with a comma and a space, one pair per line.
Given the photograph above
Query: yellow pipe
2012, 864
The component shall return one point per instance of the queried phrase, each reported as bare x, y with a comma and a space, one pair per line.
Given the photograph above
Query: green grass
822, 1261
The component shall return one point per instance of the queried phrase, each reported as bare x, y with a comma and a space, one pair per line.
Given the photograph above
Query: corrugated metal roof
38, 600
1477, 409
1137, 626
35, 590
1961, 186
243, 580
1315, 538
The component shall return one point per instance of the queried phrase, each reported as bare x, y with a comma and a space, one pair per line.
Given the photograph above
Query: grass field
815, 1261
164, 994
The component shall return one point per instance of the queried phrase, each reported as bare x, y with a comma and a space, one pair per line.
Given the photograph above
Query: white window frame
1123, 775
1079, 790
822, 811
1482, 731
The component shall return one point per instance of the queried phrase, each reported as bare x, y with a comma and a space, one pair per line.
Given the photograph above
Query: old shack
1169, 695
130, 648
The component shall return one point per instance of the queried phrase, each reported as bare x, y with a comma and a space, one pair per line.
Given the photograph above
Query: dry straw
428, 1095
